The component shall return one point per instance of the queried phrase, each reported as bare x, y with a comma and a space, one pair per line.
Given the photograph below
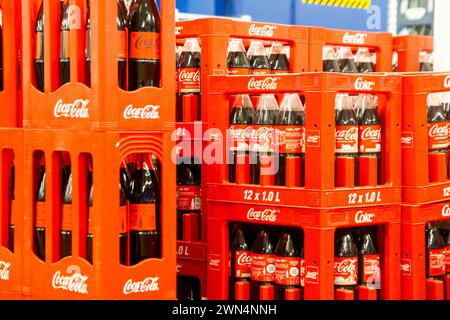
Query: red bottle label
371, 268
370, 139
287, 271
40, 214
346, 139
263, 267
122, 45
188, 197
437, 136
260, 72
145, 45
302, 272
436, 262
66, 217
291, 139
346, 271
143, 217
189, 80
243, 264
238, 72
263, 139
239, 136
123, 219
447, 259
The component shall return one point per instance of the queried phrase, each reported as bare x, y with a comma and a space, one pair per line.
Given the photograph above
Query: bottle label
291, 139
437, 136
65, 44
447, 259
122, 54
287, 271
302, 272
188, 198
238, 71
243, 264
40, 214
371, 269
260, 72
123, 219
346, 271
239, 136
370, 139
189, 80
346, 139
143, 217
436, 261
263, 139
66, 217
263, 267
145, 45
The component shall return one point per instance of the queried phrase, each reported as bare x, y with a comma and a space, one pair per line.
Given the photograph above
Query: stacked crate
409, 49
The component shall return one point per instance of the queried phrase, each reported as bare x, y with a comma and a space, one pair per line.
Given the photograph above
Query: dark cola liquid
366, 67
64, 61
123, 242
66, 235
39, 59
237, 60
426, 67
121, 26
287, 248
259, 63
262, 245
347, 66
12, 227
188, 60
239, 243
89, 246
144, 73
434, 241
279, 62
39, 231
88, 46
331, 66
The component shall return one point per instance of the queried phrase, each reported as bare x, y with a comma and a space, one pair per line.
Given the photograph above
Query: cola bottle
66, 227
278, 60
263, 263
447, 252
188, 289
364, 61
123, 214
346, 135
287, 265
144, 27
346, 60
426, 61
436, 268
122, 55
395, 61
241, 118
291, 133
370, 137
263, 137
64, 59
259, 63
437, 124
237, 61
189, 183
330, 60
345, 261
88, 44
369, 260
446, 105
12, 225
145, 213
40, 212
90, 235
39, 58
240, 260
189, 77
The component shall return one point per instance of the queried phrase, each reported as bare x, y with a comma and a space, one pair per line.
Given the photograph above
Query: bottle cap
292, 294
242, 289
266, 292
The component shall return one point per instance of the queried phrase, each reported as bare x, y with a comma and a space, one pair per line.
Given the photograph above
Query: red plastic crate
417, 188
11, 264
413, 264
380, 42
319, 227
106, 278
104, 106
191, 262
409, 48
11, 95
319, 90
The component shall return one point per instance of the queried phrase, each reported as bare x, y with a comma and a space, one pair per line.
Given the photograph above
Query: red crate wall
409, 48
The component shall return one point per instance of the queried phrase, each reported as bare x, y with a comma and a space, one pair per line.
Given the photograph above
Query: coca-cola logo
350, 134
346, 266
361, 217
407, 139
446, 211
358, 38
75, 282
214, 262
447, 82
313, 139
76, 110
438, 131
266, 215
363, 85
312, 275
405, 267
371, 134
149, 112
4, 270
263, 134
262, 31
143, 42
193, 76
269, 83
149, 284
241, 133
244, 259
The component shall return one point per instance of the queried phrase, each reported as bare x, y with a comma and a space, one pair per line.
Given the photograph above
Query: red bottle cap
266, 292
242, 169
191, 227
191, 108
292, 294
242, 289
